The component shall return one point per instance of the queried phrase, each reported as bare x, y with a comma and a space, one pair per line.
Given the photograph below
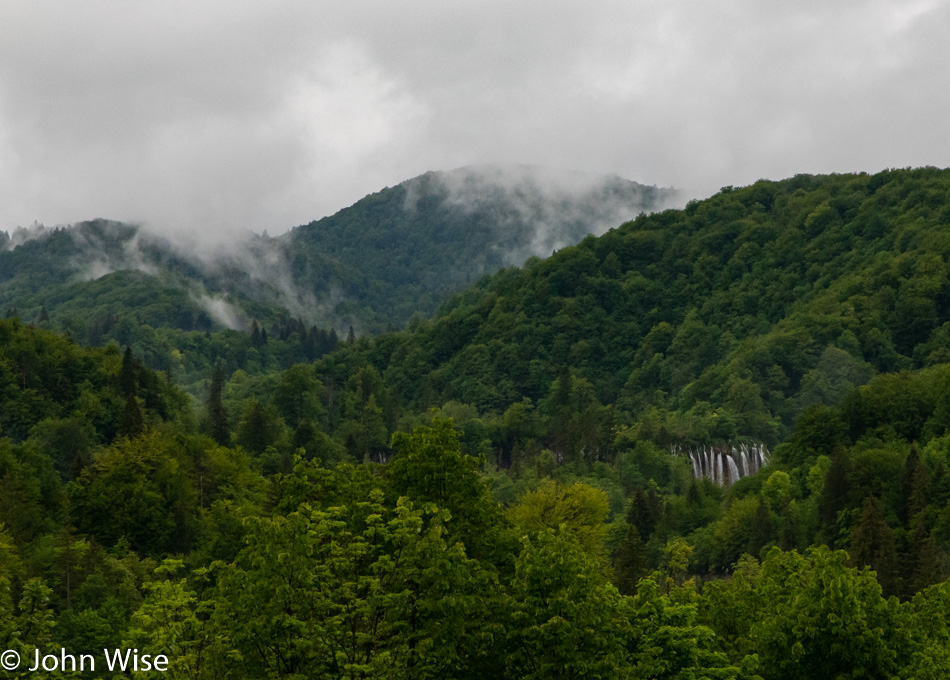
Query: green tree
428, 467
579, 510
258, 429
565, 620
818, 618
358, 591
217, 414
872, 545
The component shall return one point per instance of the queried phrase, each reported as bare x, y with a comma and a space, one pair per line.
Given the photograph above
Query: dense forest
711, 443
393, 255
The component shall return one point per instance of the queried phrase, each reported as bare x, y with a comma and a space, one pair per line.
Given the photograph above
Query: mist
219, 119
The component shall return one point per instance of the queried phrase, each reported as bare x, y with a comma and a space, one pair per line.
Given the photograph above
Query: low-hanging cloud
217, 118
536, 210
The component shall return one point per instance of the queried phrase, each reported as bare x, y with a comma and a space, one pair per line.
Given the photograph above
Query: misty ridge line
477, 219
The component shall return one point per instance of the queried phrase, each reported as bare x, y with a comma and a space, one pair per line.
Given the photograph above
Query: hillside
532, 483
403, 251
394, 254
724, 319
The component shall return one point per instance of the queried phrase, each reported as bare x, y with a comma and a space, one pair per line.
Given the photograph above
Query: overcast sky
219, 116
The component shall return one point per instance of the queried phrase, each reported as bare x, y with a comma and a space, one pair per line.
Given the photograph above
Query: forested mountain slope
402, 251
511, 489
721, 320
392, 255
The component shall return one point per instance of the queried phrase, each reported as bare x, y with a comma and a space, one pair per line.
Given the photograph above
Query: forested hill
403, 251
534, 484
724, 319
394, 254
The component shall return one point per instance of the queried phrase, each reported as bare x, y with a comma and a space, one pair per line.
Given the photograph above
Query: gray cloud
216, 118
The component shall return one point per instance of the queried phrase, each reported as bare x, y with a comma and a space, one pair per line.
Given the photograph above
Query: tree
217, 415
667, 640
363, 590
630, 563
872, 545
132, 421
818, 618
428, 467
297, 395
138, 491
258, 428
922, 566
565, 621
128, 378
578, 509
834, 496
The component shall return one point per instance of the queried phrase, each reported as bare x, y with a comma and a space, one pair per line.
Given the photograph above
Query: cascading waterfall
733, 470
724, 464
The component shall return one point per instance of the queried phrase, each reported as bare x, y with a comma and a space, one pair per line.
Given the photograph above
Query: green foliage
429, 468
500, 492
353, 591
566, 621
577, 510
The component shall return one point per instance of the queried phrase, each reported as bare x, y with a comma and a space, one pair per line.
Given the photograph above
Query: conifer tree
922, 563
256, 431
872, 545
763, 530
132, 421
834, 496
630, 563
217, 415
907, 485
920, 488
645, 511
127, 377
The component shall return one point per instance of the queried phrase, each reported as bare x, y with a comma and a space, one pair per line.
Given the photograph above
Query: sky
215, 118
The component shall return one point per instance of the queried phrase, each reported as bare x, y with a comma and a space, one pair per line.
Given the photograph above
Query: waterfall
753, 460
733, 470
724, 464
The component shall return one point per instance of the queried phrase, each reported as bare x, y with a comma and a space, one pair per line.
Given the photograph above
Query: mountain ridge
373, 265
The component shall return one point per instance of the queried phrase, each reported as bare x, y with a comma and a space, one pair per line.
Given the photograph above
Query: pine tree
630, 563
217, 415
644, 512
920, 491
834, 496
872, 545
922, 563
258, 428
907, 485
763, 529
132, 421
127, 374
